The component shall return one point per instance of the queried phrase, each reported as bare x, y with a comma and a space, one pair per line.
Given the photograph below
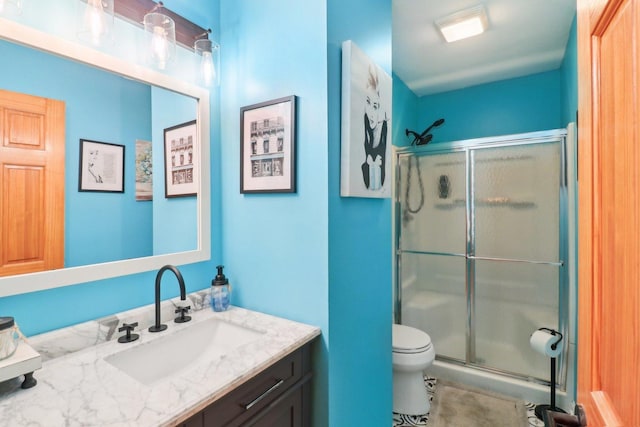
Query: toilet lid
409, 340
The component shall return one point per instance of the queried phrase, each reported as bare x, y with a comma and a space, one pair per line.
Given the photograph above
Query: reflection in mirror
104, 107
108, 234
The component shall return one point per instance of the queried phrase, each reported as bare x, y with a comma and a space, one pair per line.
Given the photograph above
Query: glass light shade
8, 7
95, 21
209, 66
160, 33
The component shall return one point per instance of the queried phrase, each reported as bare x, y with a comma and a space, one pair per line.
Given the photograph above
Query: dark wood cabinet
286, 413
279, 396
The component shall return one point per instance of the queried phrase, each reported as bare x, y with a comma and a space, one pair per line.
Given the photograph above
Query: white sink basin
172, 353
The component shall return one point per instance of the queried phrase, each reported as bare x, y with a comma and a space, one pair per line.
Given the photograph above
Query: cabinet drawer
286, 413
249, 398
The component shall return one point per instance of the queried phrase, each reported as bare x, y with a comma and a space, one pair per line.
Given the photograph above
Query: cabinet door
287, 413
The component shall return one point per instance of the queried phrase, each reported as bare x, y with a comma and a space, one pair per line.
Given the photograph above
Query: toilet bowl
412, 354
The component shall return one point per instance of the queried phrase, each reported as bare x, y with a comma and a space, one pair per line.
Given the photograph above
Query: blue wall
360, 249
276, 245
405, 112
524, 104
308, 256
43, 311
569, 73
174, 219
100, 107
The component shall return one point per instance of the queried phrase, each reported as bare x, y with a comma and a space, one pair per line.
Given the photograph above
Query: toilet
412, 354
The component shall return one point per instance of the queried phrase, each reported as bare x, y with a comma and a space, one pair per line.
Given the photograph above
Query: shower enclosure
481, 249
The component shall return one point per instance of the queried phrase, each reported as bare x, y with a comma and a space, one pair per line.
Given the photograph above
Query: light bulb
207, 68
96, 21
159, 47
161, 39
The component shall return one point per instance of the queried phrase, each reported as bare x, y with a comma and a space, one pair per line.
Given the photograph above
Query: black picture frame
181, 160
101, 167
268, 146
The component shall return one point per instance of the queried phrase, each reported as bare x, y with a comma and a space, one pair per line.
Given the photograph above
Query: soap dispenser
220, 291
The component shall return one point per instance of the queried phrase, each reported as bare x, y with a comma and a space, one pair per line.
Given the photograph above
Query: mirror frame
31, 282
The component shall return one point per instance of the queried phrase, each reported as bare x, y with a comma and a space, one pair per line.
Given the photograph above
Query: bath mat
457, 405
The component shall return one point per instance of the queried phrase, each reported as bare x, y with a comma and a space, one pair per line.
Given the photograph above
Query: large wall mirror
110, 101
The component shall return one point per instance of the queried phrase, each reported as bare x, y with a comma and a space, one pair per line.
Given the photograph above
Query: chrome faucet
159, 327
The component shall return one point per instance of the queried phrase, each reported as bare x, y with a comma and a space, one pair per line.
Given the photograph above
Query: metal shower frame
470, 146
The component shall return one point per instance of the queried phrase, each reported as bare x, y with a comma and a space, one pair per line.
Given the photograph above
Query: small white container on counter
16, 355
9, 337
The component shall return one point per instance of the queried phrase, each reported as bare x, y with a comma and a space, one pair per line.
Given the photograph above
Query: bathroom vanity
237, 367
278, 396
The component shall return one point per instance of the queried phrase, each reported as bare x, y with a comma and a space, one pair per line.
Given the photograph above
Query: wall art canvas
365, 169
181, 159
144, 170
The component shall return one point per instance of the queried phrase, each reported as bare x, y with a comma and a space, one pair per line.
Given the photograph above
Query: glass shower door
431, 248
515, 254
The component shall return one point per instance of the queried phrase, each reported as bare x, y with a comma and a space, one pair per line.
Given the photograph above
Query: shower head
425, 137
435, 124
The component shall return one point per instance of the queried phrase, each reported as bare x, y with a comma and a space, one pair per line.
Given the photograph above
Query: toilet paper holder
554, 333
541, 408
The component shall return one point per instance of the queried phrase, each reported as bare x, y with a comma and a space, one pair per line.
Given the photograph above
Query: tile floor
402, 420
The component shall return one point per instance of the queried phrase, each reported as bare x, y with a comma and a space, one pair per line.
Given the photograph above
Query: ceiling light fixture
464, 24
10, 7
95, 21
161, 36
209, 65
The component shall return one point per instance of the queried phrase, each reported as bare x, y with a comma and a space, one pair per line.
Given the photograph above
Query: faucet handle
182, 310
129, 337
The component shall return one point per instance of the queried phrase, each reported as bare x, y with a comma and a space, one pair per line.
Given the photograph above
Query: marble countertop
77, 387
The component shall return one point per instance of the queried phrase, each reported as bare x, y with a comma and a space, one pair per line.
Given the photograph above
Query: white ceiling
524, 37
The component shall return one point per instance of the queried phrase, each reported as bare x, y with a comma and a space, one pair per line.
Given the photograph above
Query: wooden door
32, 148
609, 212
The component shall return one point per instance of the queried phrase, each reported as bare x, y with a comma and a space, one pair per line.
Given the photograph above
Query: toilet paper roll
541, 341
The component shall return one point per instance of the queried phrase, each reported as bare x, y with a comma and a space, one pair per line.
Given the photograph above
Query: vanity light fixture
160, 32
463, 24
10, 7
209, 67
95, 21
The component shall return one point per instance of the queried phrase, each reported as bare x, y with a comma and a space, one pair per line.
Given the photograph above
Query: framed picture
180, 160
144, 170
101, 167
365, 151
267, 147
